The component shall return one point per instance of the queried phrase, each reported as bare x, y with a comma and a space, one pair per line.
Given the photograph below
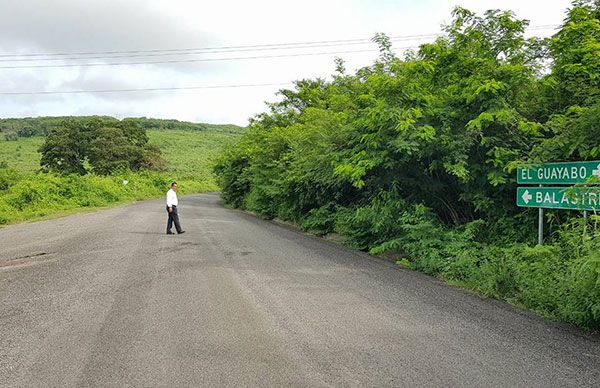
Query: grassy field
21, 154
28, 195
191, 154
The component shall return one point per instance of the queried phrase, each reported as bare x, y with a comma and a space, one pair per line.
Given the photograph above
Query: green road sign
559, 173
575, 198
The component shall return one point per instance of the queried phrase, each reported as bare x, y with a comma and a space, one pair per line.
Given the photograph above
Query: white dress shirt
171, 198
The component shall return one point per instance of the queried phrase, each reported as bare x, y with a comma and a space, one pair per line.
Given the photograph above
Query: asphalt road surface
107, 299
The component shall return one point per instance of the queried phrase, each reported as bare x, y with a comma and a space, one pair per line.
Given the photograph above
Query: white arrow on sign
527, 197
596, 172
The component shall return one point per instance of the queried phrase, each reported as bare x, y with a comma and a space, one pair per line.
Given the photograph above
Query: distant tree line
14, 128
164, 124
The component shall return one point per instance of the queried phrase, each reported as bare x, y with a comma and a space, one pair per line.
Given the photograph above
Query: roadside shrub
260, 200
374, 223
5, 211
8, 177
321, 220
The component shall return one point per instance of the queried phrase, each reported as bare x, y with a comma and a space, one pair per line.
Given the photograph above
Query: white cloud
96, 25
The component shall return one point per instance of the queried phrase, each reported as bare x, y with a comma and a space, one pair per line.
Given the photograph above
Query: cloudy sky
178, 33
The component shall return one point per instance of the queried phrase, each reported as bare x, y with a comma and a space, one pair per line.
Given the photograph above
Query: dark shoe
170, 233
182, 232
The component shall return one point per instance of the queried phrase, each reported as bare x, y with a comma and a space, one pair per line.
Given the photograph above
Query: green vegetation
26, 193
42, 126
30, 196
184, 125
416, 156
105, 145
190, 156
22, 154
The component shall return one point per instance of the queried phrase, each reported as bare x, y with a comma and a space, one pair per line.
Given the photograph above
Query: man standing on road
172, 210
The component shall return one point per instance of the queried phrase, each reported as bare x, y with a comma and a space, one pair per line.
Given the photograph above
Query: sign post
585, 196
568, 198
541, 225
559, 173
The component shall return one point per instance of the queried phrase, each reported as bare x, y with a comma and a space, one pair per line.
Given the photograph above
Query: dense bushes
560, 280
416, 156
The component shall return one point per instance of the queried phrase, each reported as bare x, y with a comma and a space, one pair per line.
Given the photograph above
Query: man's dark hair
173, 184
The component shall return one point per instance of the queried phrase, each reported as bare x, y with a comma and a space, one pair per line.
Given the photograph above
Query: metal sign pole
585, 222
540, 225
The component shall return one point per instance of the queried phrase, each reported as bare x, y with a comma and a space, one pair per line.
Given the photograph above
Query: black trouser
173, 219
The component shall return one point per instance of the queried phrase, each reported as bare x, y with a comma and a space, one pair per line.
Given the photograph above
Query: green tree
573, 87
575, 51
110, 151
106, 145
65, 148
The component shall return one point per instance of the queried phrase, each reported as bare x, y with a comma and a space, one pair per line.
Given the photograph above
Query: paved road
106, 299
